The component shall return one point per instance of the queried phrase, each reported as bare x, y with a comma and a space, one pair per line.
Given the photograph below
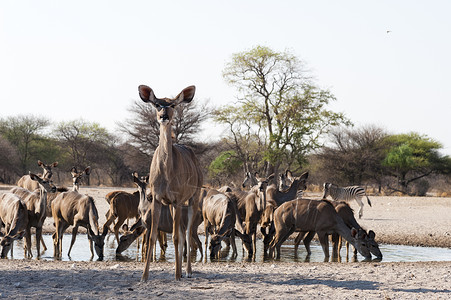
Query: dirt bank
397, 220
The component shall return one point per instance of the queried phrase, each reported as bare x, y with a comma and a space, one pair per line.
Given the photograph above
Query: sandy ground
396, 220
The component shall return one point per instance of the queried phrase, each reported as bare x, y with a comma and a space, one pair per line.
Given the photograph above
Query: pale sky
67, 60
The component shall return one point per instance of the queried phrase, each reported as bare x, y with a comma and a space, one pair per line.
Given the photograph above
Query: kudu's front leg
27, 249
155, 211
206, 229
74, 236
188, 235
38, 240
178, 237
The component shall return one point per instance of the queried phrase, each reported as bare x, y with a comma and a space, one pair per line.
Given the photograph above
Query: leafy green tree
245, 139
26, 134
83, 143
9, 161
411, 157
224, 166
278, 104
353, 156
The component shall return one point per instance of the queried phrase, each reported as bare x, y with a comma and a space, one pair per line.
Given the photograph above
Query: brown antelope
165, 226
22, 193
27, 183
74, 209
251, 205
287, 186
175, 178
14, 216
36, 203
280, 197
219, 216
77, 177
276, 197
123, 206
138, 229
347, 214
165, 222
319, 216
250, 179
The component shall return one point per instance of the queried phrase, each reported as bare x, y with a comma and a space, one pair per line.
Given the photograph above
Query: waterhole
80, 251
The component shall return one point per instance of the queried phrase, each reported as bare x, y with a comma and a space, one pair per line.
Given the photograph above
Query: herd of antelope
177, 203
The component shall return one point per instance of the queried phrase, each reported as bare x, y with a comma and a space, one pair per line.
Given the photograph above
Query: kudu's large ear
33, 176
146, 94
88, 170
135, 177
304, 176
186, 95
40, 163
55, 164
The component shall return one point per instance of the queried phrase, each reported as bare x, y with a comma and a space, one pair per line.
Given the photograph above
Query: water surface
80, 251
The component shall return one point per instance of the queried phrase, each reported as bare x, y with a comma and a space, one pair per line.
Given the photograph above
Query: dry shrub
314, 188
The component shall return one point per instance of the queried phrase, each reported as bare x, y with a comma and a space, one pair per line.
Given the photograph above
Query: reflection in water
81, 252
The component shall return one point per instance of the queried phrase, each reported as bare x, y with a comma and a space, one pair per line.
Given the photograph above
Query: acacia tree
223, 168
83, 143
9, 161
25, 133
353, 155
142, 130
411, 157
245, 139
279, 104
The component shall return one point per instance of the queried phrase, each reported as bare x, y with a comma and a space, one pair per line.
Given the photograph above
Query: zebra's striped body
346, 194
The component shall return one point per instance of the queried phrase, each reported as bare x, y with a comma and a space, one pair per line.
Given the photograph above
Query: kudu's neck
165, 143
42, 200
75, 187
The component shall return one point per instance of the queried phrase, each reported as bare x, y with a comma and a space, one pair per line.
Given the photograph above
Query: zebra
346, 193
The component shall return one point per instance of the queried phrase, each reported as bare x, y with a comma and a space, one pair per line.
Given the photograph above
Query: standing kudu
165, 226
36, 203
175, 178
77, 177
251, 206
123, 205
27, 183
14, 216
290, 187
250, 179
280, 197
74, 209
